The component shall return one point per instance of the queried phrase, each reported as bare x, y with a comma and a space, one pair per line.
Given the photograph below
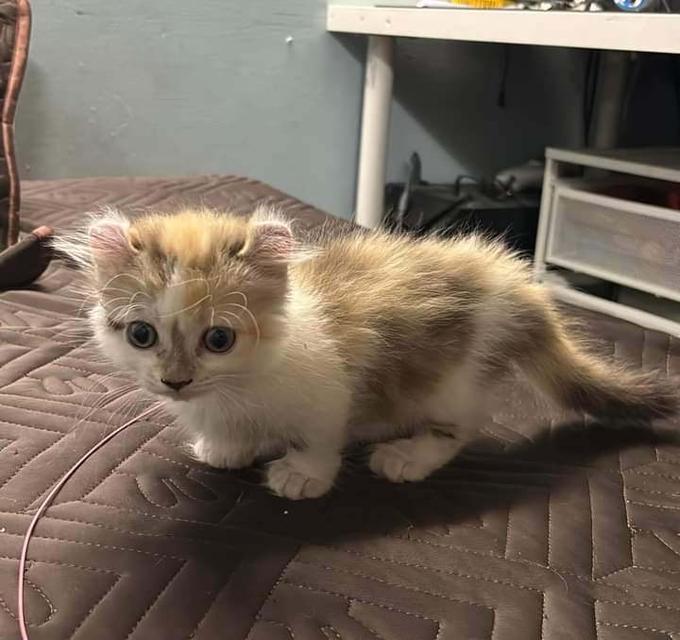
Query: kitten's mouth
177, 396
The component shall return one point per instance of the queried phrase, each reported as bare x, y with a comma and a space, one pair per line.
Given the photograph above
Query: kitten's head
187, 301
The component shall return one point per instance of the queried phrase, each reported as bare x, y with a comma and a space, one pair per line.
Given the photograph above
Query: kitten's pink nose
176, 384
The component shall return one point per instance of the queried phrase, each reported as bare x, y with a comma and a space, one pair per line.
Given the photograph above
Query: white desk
658, 33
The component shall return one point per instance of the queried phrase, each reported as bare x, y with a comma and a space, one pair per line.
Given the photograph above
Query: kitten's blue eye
141, 335
219, 339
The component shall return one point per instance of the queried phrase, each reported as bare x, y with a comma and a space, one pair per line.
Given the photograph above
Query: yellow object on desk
468, 4
483, 4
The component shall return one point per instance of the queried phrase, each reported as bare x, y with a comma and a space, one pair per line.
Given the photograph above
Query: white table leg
375, 121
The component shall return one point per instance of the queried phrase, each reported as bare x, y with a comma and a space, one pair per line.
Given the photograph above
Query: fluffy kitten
261, 348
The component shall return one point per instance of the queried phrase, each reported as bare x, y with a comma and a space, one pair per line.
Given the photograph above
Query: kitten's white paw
401, 461
299, 475
223, 455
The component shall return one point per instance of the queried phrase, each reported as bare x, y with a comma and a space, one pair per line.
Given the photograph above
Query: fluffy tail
578, 380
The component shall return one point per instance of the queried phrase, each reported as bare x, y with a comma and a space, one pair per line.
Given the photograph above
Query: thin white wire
23, 627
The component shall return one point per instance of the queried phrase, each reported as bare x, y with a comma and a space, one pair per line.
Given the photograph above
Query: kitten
261, 347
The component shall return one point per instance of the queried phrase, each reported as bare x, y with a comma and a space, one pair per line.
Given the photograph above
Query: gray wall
171, 87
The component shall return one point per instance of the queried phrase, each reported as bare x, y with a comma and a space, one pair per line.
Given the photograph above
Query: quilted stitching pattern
544, 528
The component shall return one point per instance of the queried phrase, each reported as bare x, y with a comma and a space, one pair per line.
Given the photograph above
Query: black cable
505, 69
675, 69
586, 97
589, 90
635, 66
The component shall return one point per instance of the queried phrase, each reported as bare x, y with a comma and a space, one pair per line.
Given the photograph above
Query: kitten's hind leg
413, 459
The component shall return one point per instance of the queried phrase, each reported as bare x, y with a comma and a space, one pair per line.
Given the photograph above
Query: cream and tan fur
366, 337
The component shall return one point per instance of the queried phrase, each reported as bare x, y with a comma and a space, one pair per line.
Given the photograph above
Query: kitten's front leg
415, 458
215, 441
310, 471
224, 453
307, 473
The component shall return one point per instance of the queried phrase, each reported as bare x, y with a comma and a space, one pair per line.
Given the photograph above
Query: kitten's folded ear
103, 243
109, 242
270, 242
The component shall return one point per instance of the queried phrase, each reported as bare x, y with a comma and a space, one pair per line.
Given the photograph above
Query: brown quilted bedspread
544, 528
